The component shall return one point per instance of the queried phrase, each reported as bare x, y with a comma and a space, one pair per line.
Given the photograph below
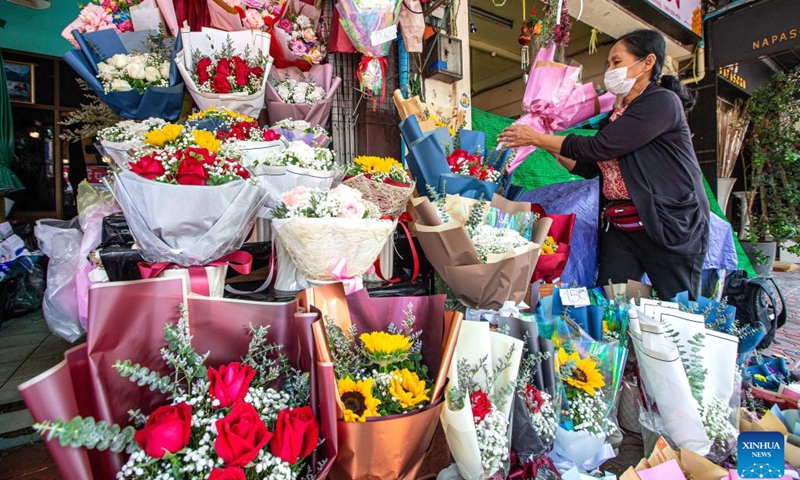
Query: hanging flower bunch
341, 202
122, 73
379, 373
583, 383
248, 419
224, 72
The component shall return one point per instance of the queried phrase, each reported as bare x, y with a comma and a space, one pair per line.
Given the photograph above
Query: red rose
148, 167
481, 405
258, 72
456, 159
533, 399
232, 473
296, 434
167, 430
271, 135
224, 67
191, 171
241, 71
220, 84
201, 155
240, 435
229, 384
202, 69
239, 170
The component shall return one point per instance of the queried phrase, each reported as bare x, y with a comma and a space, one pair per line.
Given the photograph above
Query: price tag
382, 36
575, 297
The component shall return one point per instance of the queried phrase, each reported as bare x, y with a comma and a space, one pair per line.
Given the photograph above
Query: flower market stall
257, 299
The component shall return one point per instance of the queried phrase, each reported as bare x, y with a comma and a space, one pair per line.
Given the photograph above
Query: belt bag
623, 216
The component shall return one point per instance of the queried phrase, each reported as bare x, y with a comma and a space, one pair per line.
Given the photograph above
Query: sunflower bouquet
383, 181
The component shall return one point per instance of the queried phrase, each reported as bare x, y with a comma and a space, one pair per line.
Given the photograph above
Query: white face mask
617, 81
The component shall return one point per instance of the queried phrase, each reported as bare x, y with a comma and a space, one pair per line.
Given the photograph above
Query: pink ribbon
339, 272
241, 262
546, 115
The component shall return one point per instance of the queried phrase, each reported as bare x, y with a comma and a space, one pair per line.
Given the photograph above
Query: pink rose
309, 35
257, 4
351, 209
316, 56
253, 19
298, 48
126, 26
296, 196
343, 193
285, 24
91, 19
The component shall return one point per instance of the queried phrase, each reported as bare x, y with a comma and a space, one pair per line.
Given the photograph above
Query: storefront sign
686, 12
752, 31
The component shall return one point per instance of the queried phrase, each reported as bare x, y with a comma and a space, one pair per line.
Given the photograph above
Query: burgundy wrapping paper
339, 42
126, 321
550, 267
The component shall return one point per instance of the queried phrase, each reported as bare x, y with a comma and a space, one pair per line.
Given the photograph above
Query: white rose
164, 70
135, 71
119, 61
105, 70
151, 74
300, 92
119, 85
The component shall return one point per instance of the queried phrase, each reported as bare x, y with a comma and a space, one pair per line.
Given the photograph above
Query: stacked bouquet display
330, 234
292, 94
298, 42
118, 141
480, 395
383, 181
226, 69
391, 358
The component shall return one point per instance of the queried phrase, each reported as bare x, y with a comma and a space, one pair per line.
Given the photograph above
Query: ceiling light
33, 134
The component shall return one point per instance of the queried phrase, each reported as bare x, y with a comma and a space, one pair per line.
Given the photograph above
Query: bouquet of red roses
213, 74
463, 163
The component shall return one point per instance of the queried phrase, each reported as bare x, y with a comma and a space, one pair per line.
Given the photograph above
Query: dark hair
641, 43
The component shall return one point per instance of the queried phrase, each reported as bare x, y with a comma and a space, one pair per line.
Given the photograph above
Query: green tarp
541, 168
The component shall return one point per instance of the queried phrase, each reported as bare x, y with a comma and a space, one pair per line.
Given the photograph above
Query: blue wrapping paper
427, 161
162, 102
589, 318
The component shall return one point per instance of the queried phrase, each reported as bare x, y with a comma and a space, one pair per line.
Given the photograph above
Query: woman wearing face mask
654, 214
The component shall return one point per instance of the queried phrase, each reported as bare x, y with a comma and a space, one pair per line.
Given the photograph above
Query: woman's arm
568, 163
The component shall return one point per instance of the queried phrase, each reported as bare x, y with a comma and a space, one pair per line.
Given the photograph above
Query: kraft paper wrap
474, 283
693, 465
126, 321
393, 447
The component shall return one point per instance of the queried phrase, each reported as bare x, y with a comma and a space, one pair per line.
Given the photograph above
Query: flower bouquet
235, 411
453, 164
181, 166
299, 41
391, 357
555, 250
116, 142
382, 181
132, 80
302, 131
226, 69
689, 375
292, 94
555, 100
235, 15
102, 15
471, 254
479, 399
372, 27
330, 234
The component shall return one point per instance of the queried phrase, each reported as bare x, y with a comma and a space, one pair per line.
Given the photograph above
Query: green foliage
85, 432
143, 376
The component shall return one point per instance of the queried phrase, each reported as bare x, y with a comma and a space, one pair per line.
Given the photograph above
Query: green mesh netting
541, 168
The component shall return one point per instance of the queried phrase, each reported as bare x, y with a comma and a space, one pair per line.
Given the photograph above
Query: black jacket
656, 157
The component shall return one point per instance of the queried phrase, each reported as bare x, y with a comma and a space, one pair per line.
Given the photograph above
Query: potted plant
772, 176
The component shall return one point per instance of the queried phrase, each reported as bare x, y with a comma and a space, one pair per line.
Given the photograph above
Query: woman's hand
515, 136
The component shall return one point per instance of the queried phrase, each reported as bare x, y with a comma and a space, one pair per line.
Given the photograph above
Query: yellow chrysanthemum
206, 139
408, 389
550, 246
584, 374
384, 348
166, 134
357, 399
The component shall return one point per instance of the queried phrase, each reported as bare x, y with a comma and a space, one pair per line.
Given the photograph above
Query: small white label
575, 297
382, 36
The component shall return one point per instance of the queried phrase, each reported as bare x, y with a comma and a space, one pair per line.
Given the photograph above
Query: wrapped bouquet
135, 82
119, 15
118, 141
292, 94
298, 39
371, 26
235, 15
330, 234
555, 250
226, 69
471, 254
302, 131
382, 181
479, 399
391, 357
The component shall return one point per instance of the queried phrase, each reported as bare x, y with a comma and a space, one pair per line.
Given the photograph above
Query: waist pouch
622, 215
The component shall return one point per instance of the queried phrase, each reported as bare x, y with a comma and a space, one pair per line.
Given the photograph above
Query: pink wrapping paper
168, 13
317, 114
224, 20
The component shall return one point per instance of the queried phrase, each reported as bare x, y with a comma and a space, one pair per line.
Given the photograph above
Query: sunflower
384, 349
583, 372
408, 389
207, 140
166, 134
357, 400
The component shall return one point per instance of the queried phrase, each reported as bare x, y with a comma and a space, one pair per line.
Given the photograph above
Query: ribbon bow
404, 219
241, 262
339, 273
363, 66
547, 115
529, 470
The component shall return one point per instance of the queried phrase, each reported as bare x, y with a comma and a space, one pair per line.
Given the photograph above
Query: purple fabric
581, 197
